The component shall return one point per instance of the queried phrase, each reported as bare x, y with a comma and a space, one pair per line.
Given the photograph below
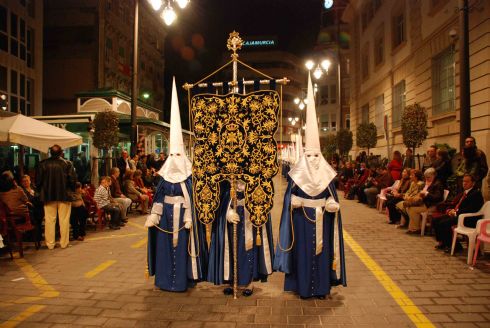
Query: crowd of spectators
62, 193
443, 186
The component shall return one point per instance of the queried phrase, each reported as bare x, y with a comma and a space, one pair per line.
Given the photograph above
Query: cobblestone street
394, 279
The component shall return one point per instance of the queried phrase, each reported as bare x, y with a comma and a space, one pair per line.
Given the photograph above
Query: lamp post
169, 16
322, 67
464, 74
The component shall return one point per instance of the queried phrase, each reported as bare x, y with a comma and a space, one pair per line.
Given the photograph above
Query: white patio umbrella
29, 132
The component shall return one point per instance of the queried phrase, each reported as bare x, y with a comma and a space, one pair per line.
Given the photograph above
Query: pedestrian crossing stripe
405, 303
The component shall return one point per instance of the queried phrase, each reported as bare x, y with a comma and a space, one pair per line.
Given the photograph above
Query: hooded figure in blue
254, 261
174, 238
310, 248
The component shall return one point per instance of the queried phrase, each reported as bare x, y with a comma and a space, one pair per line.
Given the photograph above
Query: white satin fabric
312, 181
176, 168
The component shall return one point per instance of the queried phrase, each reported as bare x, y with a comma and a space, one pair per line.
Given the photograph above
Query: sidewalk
100, 282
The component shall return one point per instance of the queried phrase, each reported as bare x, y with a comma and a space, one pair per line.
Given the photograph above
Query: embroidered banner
234, 135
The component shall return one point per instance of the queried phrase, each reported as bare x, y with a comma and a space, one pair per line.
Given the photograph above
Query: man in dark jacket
55, 180
123, 163
469, 201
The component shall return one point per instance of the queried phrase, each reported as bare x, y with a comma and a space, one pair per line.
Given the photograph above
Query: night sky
197, 40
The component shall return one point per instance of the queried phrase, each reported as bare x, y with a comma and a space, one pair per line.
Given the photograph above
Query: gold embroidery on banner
235, 136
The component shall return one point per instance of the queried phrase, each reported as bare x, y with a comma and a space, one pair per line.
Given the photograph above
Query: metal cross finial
234, 42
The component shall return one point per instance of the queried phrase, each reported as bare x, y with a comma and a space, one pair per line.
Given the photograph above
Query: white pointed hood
312, 173
177, 167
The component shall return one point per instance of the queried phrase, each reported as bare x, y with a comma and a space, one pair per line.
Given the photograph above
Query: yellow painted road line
99, 269
16, 320
140, 243
137, 225
115, 236
406, 304
36, 279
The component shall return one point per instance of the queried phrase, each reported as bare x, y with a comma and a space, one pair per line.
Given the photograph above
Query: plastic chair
483, 237
381, 197
17, 225
424, 215
471, 233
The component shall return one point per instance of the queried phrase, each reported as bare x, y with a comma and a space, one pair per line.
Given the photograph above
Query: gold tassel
258, 240
208, 234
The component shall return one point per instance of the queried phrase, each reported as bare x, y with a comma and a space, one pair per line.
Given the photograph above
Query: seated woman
431, 194
13, 196
396, 195
130, 191
36, 206
140, 185
411, 195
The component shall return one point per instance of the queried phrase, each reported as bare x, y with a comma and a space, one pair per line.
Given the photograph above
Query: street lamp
169, 16
321, 67
3, 102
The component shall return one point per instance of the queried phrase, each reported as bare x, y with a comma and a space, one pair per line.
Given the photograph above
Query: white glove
152, 220
188, 225
331, 205
296, 201
232, 216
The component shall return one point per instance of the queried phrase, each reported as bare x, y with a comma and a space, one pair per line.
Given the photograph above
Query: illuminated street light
146, 95
156, 4
309, 65
326, 64
296, 100
301, 106
182, 3
169, 15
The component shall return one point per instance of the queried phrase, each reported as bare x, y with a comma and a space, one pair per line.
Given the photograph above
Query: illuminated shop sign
260, 43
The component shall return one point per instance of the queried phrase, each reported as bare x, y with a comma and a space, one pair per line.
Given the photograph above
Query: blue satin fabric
170, 265
306, 273
251, 264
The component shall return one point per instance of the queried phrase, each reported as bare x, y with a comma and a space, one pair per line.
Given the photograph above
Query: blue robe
308, 274
252, 263
172, 266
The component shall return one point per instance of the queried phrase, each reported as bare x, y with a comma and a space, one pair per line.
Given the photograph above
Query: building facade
333, 87
21, 56
88, 46
407, 51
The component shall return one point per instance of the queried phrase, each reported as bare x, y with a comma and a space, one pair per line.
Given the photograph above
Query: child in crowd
79, 213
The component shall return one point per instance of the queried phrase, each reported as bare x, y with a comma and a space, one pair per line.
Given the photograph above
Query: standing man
480, 166
55, 180
430, 158
123, 163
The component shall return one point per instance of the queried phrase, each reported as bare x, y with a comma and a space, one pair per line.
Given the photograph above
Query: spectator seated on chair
130, 190
104, 201
36, 206
117, 194
396, 165
357, 188
468, 201
383, 180
396, 195
411, 197
140, 185
79, 213
431, 194
442, 165
346, 175
12, 195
